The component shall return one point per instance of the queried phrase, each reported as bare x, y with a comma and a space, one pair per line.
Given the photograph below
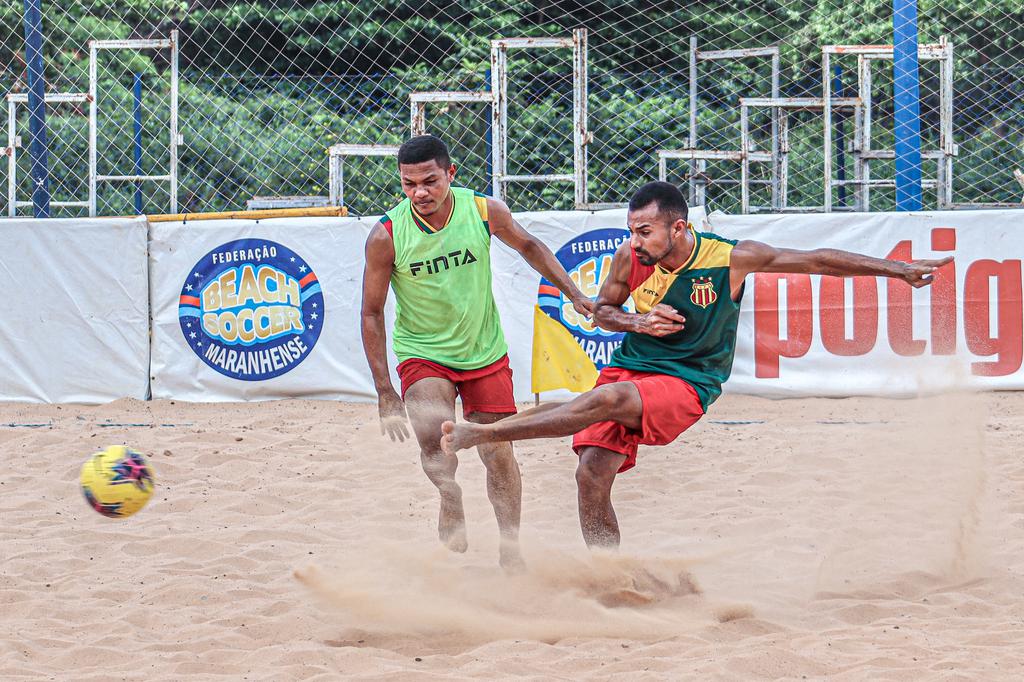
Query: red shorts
670, 406
487, 389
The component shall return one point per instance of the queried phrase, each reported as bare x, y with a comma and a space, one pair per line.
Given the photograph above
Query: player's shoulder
381, 237
490, 208
385, 225
713, 237
494, 205
714, 251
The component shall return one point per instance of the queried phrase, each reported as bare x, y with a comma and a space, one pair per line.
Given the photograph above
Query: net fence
235, 104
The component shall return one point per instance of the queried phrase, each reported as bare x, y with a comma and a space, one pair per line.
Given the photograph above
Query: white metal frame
499, 113
692, 151
698, 157
175, 139
780, 108
336, 165
418, 102
941, 52
14, 142
418, 105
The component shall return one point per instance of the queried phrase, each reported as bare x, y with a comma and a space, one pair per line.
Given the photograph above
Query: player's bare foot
451, 521
455, 437
510, 558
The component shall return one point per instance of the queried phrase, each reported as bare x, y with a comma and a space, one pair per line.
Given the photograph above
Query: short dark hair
666, 195
423, 148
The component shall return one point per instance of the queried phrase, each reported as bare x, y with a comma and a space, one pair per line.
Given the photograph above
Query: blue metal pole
906, 90
840, 134
37, 109
137, 139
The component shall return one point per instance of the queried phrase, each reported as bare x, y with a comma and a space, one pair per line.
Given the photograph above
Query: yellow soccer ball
117, 482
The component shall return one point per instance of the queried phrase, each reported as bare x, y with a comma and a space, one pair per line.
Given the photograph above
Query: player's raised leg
430, 403
595, 475
618, 402
504, 490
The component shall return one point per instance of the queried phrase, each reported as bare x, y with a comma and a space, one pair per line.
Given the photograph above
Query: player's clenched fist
662, 320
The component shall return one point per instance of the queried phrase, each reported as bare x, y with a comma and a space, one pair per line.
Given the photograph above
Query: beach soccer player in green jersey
678, 348
433, 249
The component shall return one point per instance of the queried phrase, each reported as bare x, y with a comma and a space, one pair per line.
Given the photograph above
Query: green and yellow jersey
442, 282
702, 352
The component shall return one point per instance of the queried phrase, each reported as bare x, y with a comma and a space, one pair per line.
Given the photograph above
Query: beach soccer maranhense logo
251, 309
588, 260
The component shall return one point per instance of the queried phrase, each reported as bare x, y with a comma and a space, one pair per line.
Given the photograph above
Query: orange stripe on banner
307, 279
190, 300
549, 290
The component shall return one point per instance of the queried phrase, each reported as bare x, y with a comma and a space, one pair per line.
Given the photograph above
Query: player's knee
591, 481
437, 465
611, 398
500, 460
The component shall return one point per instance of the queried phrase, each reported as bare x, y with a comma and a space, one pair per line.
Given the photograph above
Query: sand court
844, 539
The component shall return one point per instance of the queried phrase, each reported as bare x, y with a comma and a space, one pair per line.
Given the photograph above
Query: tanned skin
663, 238
430, 402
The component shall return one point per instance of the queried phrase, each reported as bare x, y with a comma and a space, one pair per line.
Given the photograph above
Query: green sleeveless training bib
442, 282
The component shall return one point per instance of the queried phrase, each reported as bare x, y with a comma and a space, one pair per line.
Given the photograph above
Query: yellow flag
558, 361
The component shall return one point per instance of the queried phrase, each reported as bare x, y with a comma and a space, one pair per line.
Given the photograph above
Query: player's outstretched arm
380, 260
751, 256
608, 313
536, 253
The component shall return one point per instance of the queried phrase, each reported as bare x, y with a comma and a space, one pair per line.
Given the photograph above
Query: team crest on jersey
703, 293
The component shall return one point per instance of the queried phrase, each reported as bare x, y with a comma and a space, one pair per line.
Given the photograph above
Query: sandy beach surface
857, 539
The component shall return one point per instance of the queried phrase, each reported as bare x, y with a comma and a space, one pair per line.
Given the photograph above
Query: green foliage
267, 86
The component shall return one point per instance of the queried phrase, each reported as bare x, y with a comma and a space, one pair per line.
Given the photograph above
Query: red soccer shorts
487, 389
670, 406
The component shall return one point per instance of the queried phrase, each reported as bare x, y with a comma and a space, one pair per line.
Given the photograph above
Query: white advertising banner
75, 322
248, 310
803, 335
216, 282
280, 300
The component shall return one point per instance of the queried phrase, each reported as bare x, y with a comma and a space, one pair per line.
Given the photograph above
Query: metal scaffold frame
781, 108
499, 113
14, 142
95, 46
336, 165
691, 151
418, 102
863, 154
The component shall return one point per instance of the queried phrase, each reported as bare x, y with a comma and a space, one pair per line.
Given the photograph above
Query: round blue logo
587, 258
251, 309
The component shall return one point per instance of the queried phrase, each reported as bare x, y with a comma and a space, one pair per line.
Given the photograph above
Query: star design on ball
131, 469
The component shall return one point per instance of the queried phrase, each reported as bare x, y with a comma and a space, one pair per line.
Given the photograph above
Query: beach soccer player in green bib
434, 251
678, 348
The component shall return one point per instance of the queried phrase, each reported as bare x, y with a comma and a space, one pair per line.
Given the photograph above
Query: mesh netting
264, 88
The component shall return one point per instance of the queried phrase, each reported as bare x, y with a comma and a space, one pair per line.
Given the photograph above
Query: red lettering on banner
900, 308
833, 315
768, 344
943, 291
1008, 342
987, 283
